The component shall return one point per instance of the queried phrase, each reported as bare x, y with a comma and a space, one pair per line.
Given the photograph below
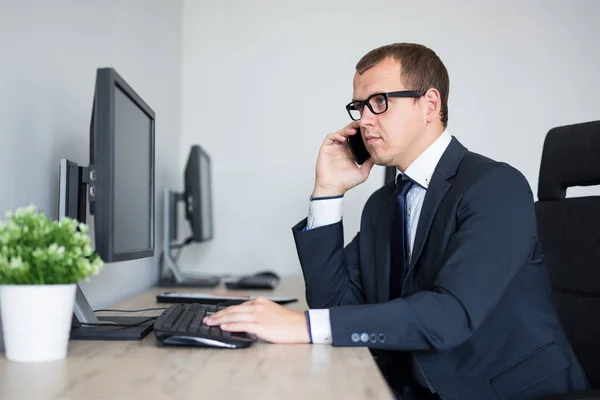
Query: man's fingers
353, 124
225, 311
231, 318
352, 131
343, 133
242, 308
367, 166
240, 327
337, 138
346, 132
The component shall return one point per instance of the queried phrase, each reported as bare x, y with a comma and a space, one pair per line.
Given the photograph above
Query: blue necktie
399, 239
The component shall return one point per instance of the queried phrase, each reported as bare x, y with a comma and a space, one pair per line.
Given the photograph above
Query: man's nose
367, 118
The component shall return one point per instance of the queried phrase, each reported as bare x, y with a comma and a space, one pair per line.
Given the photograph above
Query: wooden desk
135, 370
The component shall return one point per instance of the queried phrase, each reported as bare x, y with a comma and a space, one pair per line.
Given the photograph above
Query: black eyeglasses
378, 102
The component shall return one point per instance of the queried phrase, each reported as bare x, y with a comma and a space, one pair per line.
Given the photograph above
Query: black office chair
569, 230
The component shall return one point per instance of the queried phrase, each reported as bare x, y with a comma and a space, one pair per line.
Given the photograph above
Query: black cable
118, 325
181, 246
141, 310
187, 241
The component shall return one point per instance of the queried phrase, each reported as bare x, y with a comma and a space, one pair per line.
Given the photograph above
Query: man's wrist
327, 191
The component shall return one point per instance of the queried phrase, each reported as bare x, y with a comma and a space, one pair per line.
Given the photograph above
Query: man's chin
383, 161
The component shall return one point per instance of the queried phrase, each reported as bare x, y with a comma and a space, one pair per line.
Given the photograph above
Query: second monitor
197, 200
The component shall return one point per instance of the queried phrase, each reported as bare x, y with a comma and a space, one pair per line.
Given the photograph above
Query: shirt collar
421, 170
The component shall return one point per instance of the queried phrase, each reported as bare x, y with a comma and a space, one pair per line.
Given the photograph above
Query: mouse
267, 274
258, 280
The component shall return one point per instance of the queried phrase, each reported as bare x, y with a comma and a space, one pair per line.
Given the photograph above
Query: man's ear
433, 104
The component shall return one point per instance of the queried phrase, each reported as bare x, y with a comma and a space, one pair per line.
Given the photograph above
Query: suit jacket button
364, 337
355, 337
381, 338
373, 338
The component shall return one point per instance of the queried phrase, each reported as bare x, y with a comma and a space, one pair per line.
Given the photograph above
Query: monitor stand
169, 273
72, 201
105, 328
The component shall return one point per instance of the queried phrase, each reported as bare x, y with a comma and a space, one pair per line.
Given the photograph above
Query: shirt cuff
324, 211
320, 326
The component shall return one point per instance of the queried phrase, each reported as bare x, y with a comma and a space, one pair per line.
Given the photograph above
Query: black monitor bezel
102, 164
198, 151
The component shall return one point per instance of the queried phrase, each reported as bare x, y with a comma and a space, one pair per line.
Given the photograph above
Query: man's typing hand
265, 319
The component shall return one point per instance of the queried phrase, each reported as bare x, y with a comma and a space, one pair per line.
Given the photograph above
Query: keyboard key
198, 307
196, 322
185, 320
173, 316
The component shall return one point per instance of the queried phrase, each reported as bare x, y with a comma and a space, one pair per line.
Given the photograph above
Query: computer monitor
197, 200
119, 186
122, 158
198, 196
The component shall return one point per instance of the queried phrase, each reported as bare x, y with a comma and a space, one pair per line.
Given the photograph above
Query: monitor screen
122, 163
133, 134
205, 199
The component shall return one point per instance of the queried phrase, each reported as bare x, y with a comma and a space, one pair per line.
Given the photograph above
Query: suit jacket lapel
438, 187
435, 193
382, 229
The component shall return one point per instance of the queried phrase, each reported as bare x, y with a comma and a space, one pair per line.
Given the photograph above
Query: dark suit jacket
476, 308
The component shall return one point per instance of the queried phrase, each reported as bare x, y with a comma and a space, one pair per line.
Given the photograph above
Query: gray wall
280, 74
49, 52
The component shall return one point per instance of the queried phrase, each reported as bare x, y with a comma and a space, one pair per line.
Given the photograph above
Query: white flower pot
36, 321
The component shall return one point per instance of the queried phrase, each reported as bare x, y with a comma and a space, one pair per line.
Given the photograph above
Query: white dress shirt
329, 211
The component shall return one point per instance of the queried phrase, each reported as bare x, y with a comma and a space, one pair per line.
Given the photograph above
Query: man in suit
446, 281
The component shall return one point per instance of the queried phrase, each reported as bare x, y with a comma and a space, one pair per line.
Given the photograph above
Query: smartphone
358, 148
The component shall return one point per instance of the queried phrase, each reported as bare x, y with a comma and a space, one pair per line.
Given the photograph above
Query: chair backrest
569, 230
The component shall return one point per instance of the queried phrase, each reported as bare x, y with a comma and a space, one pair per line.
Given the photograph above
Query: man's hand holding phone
337, 171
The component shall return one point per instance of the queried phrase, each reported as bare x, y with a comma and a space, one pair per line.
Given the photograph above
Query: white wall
49, 52
264, 82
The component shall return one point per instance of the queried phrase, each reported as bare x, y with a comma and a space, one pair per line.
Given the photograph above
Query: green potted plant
40, 263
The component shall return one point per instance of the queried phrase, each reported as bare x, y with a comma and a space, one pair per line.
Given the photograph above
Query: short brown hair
421, 69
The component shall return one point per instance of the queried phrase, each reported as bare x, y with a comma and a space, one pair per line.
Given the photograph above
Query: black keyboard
181, 324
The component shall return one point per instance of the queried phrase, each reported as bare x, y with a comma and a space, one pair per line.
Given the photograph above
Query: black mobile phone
358, 148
